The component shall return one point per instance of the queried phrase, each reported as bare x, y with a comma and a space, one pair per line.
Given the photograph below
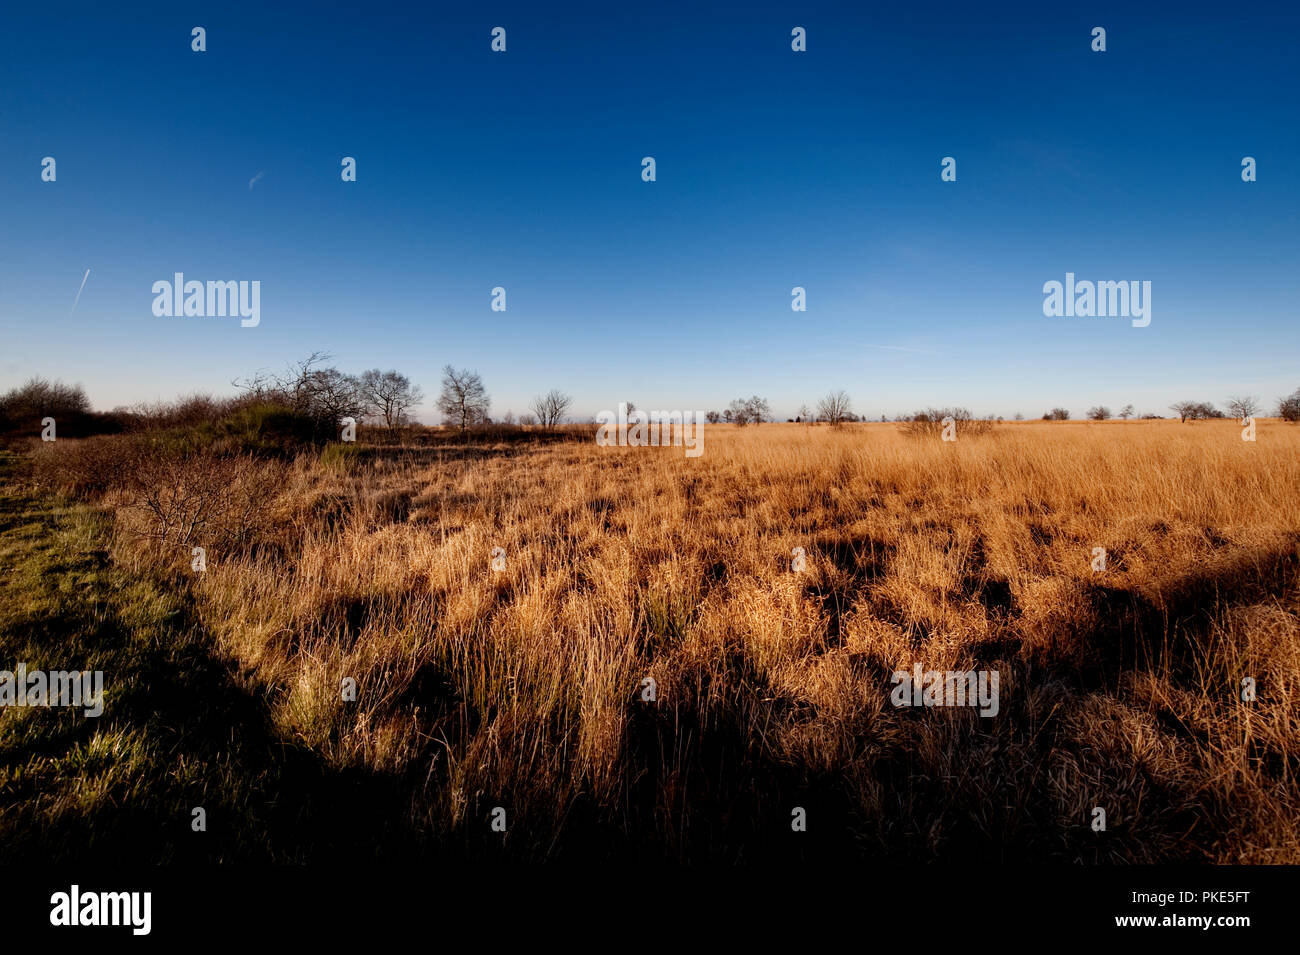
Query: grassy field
521, 687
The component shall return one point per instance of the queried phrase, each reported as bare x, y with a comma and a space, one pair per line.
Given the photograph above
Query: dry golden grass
521, 688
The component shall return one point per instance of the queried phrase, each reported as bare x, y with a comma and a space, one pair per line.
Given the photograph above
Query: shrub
338, 456
1289, 408
929, 422
265, 428
22, 410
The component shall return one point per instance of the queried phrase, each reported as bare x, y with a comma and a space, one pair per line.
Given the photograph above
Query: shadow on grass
177, 731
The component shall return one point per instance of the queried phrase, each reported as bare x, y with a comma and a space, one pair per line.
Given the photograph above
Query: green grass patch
178, 731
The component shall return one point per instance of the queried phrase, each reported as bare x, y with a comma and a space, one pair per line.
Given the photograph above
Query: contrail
254, 179
78, 298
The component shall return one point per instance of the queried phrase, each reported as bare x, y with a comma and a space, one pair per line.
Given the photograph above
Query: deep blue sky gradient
775, 169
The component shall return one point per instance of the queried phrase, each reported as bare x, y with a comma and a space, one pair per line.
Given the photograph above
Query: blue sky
775, 169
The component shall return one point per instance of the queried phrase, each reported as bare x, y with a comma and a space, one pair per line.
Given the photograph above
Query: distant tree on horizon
1195, 410
752, 410
464, 400
1242, 407
390, 395
551, 407
1288, 408
834, 408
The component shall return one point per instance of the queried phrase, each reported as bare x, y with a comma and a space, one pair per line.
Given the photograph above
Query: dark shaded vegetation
179, 730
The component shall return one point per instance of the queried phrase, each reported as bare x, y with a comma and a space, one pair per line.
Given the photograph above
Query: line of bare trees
1240, 407
327, 395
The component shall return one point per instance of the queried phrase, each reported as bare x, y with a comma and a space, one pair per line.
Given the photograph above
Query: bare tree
759, 410
551, 407
1126, 412
390, 395
805, 414
1242, 407
1288, 408
336, 395
464, 400
834, 408
1195, 410
292, 388
1099, 413
752, 410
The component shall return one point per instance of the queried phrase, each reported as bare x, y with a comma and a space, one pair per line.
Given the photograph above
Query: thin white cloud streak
78, 298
